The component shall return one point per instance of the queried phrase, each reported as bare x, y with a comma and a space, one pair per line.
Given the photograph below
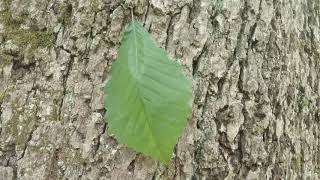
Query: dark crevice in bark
194, 10
147, 13
80, 176
199, 144
53, 166
251, 42
244, 17
19, 66
64, 85
240, 150
131, 166
198, 156
9, 159
220, 83
196, 60
15, 173
176, 163
91, 28
27, 142
34, 90
99, 138
243, 62
169, 31
154, 175
14, 166
207, 96
223, 141
55, 35
67, 50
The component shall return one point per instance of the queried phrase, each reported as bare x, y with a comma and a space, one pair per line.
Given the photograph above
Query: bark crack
196, 60
169, 30
99, 138
146, 15
64, 84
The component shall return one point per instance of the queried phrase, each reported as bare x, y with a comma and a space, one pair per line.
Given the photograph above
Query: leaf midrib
138, 90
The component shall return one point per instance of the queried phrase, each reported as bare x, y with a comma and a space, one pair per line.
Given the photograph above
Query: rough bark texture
255, 66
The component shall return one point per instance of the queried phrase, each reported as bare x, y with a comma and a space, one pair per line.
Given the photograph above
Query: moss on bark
27, 39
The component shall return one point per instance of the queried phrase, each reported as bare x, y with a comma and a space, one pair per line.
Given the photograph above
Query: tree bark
255, 67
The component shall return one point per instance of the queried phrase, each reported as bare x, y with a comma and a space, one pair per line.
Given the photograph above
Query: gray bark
255, 67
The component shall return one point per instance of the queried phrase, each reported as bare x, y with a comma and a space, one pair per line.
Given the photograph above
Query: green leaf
148, 98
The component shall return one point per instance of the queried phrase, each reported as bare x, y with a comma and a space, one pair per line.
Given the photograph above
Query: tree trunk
255, 66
